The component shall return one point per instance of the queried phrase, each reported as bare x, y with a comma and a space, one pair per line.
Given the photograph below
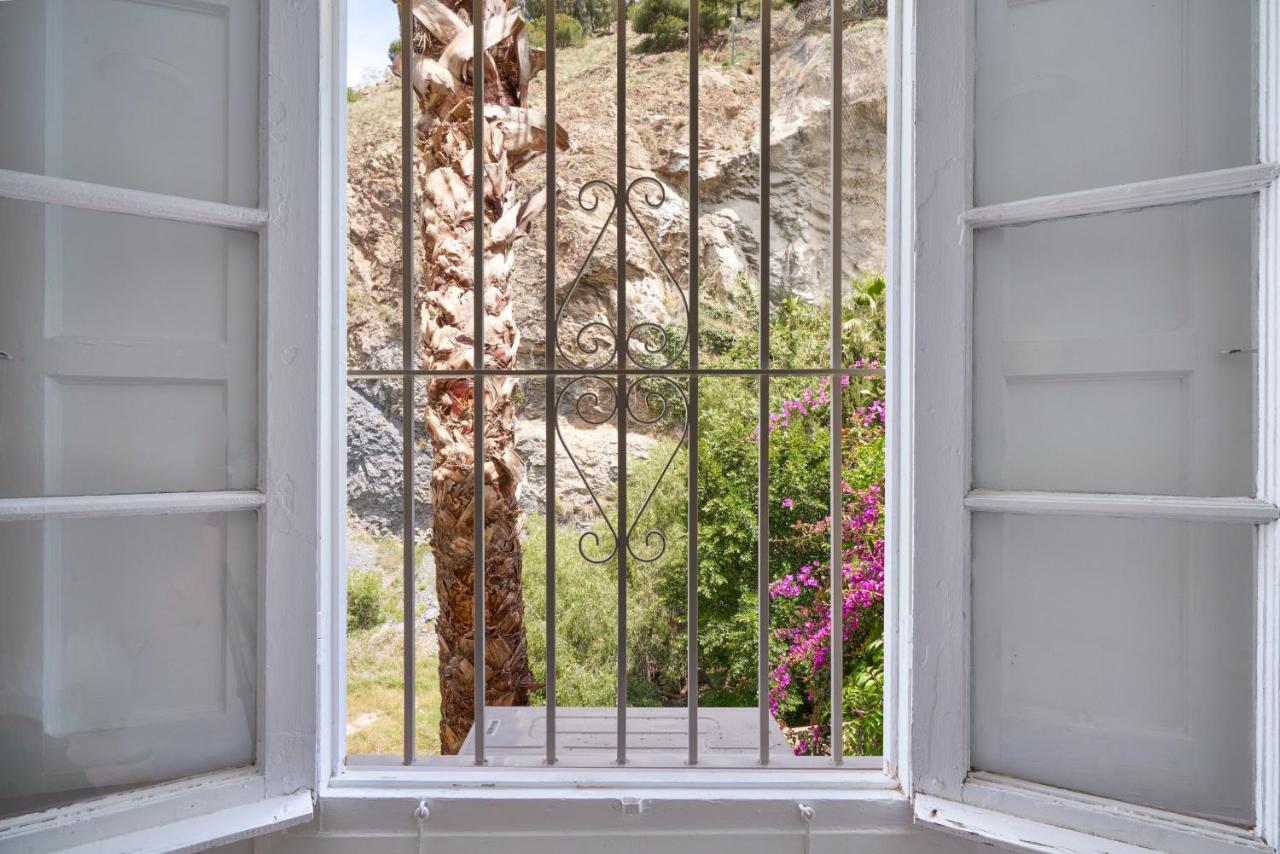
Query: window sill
470, 802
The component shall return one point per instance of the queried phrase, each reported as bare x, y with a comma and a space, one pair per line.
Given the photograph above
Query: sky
371, 26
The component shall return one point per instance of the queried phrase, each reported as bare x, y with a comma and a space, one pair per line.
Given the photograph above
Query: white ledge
1018, 833
149, 504
1239, 181
46, 189
202, 832
1244, 510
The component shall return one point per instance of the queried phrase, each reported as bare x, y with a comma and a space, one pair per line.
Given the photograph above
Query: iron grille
606, 379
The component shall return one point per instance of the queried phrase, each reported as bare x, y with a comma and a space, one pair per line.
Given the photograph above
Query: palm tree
514, 135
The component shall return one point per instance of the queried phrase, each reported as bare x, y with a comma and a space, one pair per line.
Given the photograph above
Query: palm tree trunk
513, 135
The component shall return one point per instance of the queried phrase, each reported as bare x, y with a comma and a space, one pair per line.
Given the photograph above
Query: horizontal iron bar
575, 372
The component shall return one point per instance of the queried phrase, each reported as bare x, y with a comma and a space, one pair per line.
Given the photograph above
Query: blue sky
371, 26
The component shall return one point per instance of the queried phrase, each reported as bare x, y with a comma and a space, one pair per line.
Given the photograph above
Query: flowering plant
801, 642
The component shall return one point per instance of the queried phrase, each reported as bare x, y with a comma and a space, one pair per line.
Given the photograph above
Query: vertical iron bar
695, 47
549, 393
762, 501
837, 390
477, 357
407, 382
621, 354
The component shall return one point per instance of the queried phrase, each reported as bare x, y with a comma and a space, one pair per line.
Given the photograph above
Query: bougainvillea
800, 662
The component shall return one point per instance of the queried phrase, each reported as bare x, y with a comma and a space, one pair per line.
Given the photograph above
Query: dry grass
375, 666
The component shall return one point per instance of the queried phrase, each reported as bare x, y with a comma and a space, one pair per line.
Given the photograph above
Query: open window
159, 230
1095, 470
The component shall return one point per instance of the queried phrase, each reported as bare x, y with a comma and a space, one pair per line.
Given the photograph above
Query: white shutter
1094, 479
159, 237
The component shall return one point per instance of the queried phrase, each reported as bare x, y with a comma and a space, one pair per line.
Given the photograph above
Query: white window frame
939, 231
385, 800
277, 791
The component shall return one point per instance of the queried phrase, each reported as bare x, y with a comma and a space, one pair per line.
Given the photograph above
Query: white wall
670, 826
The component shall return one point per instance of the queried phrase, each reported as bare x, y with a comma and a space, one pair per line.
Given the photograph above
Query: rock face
658, 155
374, 459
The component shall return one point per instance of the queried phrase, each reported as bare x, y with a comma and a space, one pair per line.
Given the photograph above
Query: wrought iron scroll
598, 336
587, 405
654, 198
652, 390
649, 399
589, 201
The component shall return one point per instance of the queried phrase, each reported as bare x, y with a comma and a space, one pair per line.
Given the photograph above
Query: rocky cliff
729, 193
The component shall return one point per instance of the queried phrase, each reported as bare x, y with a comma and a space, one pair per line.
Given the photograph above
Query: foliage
665, 22
799, 453
393, 49
592, 15
353, 95
365, 599
568, 32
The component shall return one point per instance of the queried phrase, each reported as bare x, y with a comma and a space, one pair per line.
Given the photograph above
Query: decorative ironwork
661, 338
648, 399
587, 406
656, 410
589, 201
651, 339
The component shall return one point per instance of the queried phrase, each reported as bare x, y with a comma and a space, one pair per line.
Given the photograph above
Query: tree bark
513, 135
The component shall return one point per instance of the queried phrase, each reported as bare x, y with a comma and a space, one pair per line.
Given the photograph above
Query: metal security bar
611, 377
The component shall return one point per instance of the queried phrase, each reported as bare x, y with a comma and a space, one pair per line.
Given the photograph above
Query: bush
728, 532
568, 32
666, 22
365, 599
353, 95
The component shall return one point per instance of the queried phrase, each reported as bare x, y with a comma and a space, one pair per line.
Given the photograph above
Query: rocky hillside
729, 191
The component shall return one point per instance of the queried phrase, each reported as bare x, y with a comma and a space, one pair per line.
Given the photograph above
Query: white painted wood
288, 115
84, 506
1112, 656
110, 815
1017, 833
202, 832
128, 652
940, 729
132, 350
898, 382
1267, 676
186, 70
1154, 829
1221, 183
1075, 94
1099, 361
631, 819
27, 187
1245, 510
332, 628
937, 293
294, 191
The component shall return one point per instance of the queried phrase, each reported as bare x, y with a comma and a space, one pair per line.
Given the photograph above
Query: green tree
665, 22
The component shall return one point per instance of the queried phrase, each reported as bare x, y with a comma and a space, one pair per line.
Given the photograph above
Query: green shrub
666, 22
393, 49
568, 32
353, 95
365, 599
657, 603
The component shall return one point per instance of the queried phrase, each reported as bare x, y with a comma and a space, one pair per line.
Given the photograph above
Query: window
651, 568
1094, 573
154, 516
